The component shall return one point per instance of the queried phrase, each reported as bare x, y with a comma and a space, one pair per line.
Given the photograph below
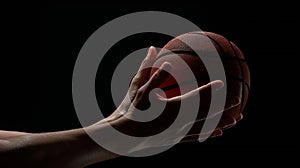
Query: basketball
236, 69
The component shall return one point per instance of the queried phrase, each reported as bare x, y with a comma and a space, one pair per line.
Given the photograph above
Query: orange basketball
235, 66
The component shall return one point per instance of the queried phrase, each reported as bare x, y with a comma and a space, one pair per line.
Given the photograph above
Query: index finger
143, 73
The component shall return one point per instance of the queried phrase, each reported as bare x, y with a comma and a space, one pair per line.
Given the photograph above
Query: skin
74, 148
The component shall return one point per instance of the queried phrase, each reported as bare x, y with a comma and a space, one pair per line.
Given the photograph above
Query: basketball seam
239, 62
241, 80
226, 58
192, 53
243, 77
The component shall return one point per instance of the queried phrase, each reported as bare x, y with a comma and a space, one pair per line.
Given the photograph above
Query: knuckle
145, 61
137, 77
156, 75
135, 82
140, 92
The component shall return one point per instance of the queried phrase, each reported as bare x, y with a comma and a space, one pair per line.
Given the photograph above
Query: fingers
225, 122
143, 96
240, 117
148, 61
204, 93
158, 77
197, 137
217, 85
231, 104
216, 133
143, 73
206, 110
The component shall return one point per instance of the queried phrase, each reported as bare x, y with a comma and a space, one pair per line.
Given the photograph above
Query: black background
40, 46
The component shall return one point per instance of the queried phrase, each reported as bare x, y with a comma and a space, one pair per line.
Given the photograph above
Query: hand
137, 99
60, 149
142, 76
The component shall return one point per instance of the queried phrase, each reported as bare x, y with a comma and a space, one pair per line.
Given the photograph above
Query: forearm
10, 134
72, 148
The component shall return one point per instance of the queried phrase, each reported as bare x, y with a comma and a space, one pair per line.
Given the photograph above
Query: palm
138, 98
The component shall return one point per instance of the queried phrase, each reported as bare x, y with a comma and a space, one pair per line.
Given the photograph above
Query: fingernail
166, 66
150, 50
236, 101
230, 125
218, 85
217, 133
240, 117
